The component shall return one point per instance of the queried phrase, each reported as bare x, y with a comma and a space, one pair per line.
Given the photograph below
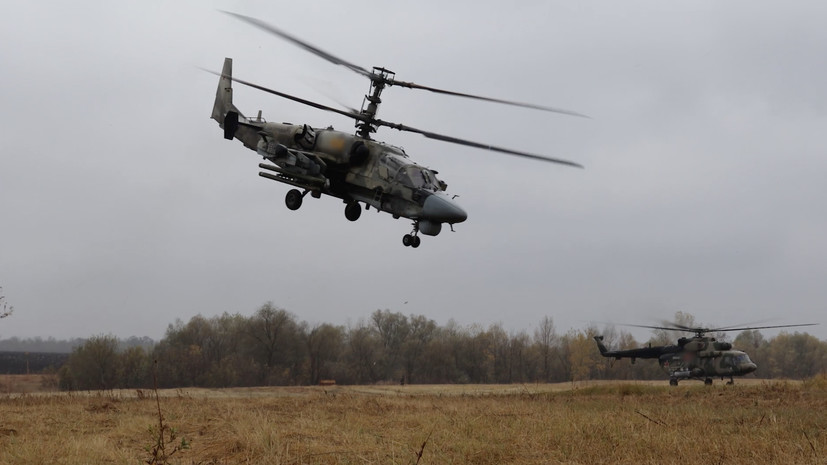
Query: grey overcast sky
122, 207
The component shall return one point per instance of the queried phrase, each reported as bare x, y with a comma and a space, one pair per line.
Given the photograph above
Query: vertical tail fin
223, 111
600, 346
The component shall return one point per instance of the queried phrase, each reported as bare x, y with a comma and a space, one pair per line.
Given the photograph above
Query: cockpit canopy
418, 177
409, 174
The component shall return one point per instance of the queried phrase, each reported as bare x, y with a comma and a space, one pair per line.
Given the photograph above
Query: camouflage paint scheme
350, 167
693, 358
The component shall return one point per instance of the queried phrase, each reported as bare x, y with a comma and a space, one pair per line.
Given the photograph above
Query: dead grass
582, 423
27, 383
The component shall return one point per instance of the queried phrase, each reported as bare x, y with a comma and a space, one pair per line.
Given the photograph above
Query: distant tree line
22, 363
271, 347
64, 346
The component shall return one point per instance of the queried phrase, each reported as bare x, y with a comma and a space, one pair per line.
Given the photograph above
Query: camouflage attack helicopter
697, 357
354, 168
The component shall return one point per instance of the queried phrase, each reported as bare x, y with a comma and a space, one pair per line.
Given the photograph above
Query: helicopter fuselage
355, 168
706, 364
700, 357
347, 166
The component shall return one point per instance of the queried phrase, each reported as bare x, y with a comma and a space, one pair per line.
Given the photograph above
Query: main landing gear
707, 381
294, 198
412, 239
353, 211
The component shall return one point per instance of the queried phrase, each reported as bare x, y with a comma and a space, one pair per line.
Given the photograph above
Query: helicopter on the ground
354, 168
698, 357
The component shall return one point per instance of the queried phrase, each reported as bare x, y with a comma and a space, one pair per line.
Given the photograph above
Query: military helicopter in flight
352, 167
697, 357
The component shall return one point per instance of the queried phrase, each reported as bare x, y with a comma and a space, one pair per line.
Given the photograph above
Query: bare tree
420, 333
94, 365
324, 344
276, 343
5, 308
393, 330
545, 339
363, 350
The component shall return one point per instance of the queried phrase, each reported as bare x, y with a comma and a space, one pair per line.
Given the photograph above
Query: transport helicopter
352, 167
698, 357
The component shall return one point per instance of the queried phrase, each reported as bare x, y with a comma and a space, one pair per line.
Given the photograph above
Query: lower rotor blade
310, 103
479, 145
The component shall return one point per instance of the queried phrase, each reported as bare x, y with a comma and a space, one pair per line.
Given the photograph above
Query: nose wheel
409, 240
412, 239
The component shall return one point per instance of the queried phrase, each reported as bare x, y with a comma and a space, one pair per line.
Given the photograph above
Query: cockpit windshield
393, 163
418, 177
741, 359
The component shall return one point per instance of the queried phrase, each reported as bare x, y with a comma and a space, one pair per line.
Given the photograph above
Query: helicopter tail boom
644, 352
223, 111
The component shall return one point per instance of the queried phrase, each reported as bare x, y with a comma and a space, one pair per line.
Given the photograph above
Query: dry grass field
573, 423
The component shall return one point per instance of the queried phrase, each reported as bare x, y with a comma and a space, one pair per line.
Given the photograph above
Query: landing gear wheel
353, 211
412, 239
708, 381
673, 382
293, 200
409, 240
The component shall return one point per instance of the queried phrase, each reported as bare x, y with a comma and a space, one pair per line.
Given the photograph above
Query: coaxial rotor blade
455, 140
296, 41
310, 103
412, 85
400, 127
380, 77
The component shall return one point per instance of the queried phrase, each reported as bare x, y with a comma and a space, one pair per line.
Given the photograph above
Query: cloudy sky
123, 208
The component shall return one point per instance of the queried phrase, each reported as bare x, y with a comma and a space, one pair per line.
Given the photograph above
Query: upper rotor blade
295, 40
412, 85
356, 116
455, 140
380, 77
